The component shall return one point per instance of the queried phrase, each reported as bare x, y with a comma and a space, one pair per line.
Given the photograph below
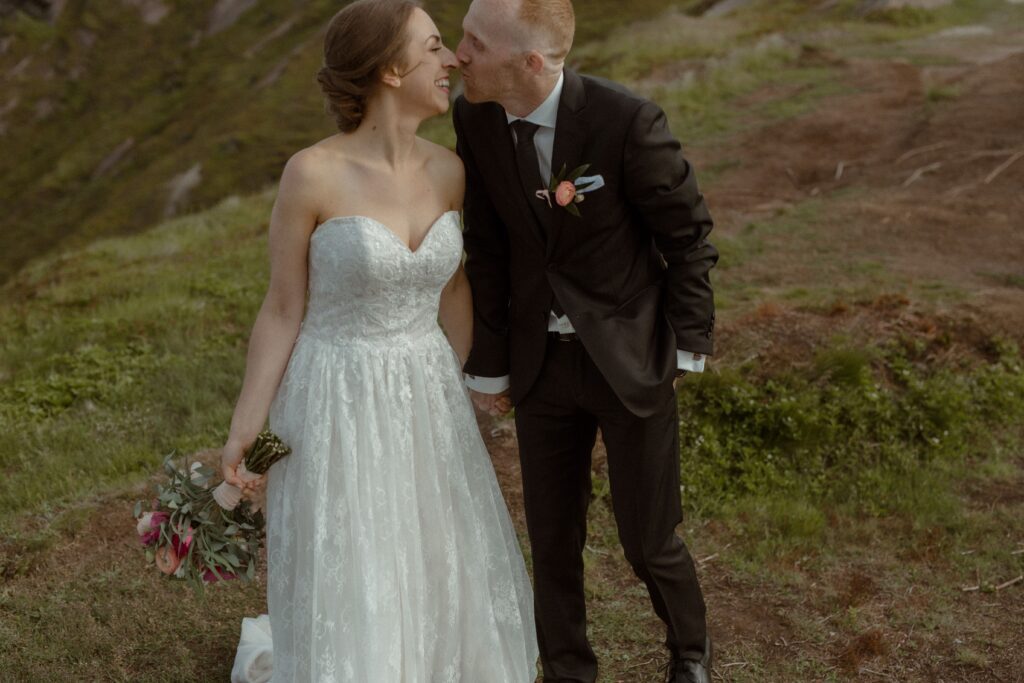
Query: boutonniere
568, 188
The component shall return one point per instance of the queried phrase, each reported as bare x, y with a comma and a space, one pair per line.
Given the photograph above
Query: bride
391, 555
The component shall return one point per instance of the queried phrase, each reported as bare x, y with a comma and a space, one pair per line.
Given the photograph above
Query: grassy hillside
852, 460
129, 347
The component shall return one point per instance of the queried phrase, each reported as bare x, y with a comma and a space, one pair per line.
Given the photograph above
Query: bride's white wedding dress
391, 557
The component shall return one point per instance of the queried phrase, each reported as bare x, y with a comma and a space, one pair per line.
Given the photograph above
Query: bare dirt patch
923, 184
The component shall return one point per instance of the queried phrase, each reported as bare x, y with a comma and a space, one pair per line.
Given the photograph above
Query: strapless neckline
383, 226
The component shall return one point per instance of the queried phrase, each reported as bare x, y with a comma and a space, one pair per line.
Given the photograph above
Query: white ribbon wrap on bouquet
254, 659
228, 496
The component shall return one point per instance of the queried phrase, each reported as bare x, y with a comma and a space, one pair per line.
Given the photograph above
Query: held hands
495, 405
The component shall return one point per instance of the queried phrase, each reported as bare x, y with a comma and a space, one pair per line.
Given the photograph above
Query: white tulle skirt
391, 554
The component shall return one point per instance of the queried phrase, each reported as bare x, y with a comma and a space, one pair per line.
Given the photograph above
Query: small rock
152, 12
112, 159
10, 106
225, 13
868, 6
965, 31
281, 29
56, 7
85, 37
179, 188
44, 108
275, 73
19, 69
720, 9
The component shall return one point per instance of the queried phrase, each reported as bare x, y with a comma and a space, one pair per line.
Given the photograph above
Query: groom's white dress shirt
545, 116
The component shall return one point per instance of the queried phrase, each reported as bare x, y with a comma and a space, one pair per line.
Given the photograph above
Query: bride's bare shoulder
311, 161
445, 165
307, 174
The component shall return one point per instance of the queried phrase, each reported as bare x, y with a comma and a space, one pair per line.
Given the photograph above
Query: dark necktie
526, 158
529, 174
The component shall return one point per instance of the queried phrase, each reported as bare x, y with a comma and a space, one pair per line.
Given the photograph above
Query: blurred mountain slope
116, 115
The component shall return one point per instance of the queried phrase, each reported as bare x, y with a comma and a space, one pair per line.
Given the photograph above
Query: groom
590, 300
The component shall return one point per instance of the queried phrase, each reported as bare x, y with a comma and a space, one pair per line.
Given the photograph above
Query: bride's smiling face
424, 76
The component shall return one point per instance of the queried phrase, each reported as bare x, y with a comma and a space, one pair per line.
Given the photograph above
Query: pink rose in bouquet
149, 526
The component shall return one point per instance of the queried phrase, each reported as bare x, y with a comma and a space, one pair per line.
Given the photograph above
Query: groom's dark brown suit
631, 274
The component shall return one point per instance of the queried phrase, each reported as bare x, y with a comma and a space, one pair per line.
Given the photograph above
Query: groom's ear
534, 62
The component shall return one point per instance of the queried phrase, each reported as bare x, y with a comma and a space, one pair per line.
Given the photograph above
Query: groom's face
487, 52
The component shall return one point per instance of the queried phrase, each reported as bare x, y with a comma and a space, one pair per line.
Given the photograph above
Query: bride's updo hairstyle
363, 40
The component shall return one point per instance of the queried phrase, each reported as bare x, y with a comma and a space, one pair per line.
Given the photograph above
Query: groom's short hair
555, 20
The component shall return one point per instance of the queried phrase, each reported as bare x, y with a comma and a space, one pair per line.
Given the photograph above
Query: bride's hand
257, 488
230, 459
494, 405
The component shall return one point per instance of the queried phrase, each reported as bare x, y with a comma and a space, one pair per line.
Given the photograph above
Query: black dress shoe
681, 670
690, 671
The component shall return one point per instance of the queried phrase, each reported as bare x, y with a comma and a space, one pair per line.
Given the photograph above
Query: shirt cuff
487, 385
691, 362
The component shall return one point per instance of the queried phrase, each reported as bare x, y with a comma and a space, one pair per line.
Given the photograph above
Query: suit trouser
557, 424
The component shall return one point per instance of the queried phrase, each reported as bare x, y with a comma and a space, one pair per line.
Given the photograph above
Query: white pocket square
589, 183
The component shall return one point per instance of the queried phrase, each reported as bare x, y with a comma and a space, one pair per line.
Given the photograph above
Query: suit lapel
570, 137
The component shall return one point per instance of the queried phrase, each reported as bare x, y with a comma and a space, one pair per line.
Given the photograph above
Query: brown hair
555, 19
362, 40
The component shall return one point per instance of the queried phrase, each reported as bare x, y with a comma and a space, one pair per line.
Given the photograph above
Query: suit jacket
631, 273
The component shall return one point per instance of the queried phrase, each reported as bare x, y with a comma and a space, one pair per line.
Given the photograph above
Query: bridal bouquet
201, 533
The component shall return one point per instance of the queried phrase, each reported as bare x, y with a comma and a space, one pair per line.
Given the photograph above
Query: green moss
873, 428
941, 93
904, 17
30, 32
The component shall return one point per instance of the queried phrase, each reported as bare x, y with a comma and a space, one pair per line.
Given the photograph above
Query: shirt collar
547, 113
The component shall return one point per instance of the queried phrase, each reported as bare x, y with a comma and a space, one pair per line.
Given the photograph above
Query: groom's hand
492, 404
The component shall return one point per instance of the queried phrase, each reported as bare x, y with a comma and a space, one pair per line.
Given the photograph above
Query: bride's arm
457, 314
292, 221
456, 298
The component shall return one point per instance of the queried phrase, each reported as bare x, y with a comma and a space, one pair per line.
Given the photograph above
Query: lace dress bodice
366, 284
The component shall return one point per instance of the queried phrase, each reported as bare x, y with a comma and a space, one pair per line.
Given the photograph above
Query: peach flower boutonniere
568, 188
